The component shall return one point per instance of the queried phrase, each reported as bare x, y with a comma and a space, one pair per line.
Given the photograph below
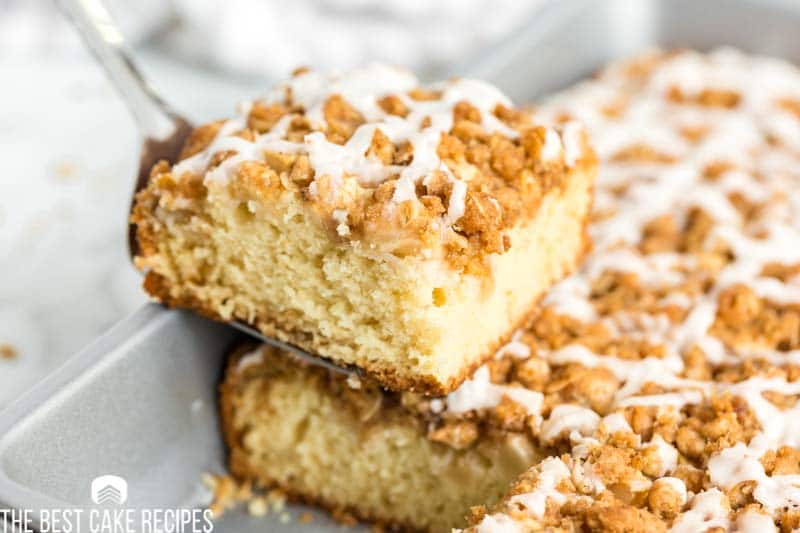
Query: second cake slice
403, 229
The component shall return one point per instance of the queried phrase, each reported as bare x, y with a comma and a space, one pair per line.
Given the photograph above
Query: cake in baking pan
405, 229
689, 305
354, 448
655, 389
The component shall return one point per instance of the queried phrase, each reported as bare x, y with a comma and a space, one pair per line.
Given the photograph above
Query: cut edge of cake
357, 450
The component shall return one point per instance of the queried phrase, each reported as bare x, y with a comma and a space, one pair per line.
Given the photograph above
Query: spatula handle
153, 116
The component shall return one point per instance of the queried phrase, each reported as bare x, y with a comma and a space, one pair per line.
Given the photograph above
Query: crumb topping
384, 160
664, 374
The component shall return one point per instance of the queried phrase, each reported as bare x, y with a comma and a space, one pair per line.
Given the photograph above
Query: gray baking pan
140, 402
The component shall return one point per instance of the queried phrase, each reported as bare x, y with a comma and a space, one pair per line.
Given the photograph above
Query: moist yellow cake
377, 455
404, 229
661, 380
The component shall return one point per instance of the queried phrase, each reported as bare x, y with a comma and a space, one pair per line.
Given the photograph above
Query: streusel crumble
687, 311
402, 228
657, 388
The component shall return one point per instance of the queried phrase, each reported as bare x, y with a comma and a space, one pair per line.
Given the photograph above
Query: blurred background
68, 149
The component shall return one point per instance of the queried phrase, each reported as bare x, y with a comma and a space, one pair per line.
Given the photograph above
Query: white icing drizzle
752, 521
553, 147
551, 472
498, 523
362, 89
571, 297
652, 120
676, 485
762, 140
709, 509
584, 476
615, 423
250, 358
480, 393
566, 418
456, 207
667, 455
515, 347
573, 147
740, 463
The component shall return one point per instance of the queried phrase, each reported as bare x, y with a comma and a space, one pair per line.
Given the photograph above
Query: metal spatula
163, 130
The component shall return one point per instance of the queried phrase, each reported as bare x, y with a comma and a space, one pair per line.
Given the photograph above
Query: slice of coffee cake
403, 229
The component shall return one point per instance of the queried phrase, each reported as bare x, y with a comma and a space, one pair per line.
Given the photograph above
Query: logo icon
109, 489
